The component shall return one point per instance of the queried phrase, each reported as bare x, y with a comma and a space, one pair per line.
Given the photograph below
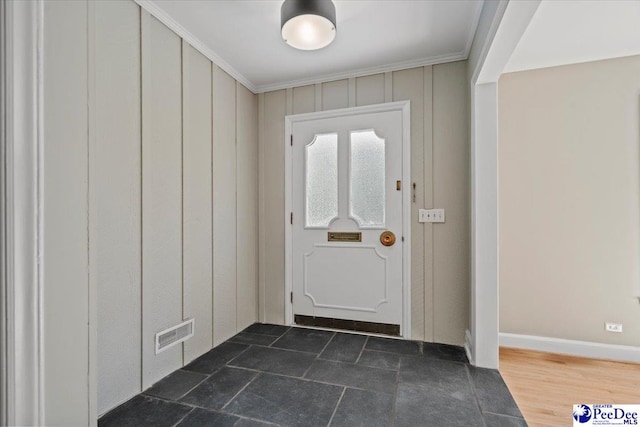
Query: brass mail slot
341, 236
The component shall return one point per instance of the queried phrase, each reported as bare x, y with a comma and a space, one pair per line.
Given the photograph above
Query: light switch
422, 215
431, 215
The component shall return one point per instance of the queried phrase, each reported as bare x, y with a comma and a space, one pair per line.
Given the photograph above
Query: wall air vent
174, 335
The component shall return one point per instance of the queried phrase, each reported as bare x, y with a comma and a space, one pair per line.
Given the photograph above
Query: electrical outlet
613, 327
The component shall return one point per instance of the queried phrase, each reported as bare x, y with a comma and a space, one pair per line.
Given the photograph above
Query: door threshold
383, 329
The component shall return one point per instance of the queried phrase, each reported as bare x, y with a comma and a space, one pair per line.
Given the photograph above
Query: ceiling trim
167, 20
162, 16
396, 66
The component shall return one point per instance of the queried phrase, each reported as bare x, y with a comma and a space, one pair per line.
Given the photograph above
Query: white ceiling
571, 31
243, 37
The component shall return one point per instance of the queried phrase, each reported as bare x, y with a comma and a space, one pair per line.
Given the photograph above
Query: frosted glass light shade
308, 24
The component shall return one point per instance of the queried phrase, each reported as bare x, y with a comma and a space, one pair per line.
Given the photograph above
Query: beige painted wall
65, 266
133, 120
115, 200
439, 167
569, 188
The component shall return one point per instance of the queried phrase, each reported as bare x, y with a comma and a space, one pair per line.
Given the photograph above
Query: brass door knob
387, 238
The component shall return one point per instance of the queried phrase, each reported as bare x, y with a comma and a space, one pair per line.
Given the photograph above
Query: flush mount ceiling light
308, 24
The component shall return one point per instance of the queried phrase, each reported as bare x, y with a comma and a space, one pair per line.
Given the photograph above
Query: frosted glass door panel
367, 178
321, 181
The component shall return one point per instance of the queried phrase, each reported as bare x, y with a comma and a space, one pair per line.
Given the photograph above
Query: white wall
569, 179
133, 117
439, 166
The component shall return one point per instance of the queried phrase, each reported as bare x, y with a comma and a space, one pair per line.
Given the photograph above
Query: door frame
405, 108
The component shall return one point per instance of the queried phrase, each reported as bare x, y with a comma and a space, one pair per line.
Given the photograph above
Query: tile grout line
236, 356
164, 399
395, 397
326, 345
204, 408
275, 340
241, 390
192, 388
333, 414
279, 338
312, 381
185, 416
242, 417
362, 350
504, 415
475, 394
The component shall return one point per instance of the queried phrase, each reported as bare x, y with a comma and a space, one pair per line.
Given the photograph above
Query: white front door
347, 205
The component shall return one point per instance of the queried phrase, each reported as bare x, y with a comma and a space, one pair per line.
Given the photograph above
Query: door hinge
291, 297
291, 139
291, 218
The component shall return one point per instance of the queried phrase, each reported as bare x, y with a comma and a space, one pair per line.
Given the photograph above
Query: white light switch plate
431, 215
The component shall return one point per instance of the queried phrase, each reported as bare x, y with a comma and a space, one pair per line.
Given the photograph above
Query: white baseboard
592, 350
468, 346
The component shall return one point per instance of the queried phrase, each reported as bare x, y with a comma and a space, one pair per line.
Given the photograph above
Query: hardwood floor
546, 385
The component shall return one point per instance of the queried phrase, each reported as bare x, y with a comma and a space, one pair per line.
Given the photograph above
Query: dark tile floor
274, 375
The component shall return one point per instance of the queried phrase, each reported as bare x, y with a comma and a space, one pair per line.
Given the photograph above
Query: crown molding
395, 66
163, 17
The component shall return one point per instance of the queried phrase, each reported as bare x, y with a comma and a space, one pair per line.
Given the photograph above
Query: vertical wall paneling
408, 84
318, 96
262, 232
352, 97
135, 124
92, 389
65, 236
427, 194
161, 195
197, 199
388, 86
273, 202
289, 104
450, 191
370, 89
224, 206
303, 99
115, 203
335, 95
247, 206
440, 252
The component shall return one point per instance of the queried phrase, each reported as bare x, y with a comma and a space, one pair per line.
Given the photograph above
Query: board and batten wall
439, 167
150, 204
569, 187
